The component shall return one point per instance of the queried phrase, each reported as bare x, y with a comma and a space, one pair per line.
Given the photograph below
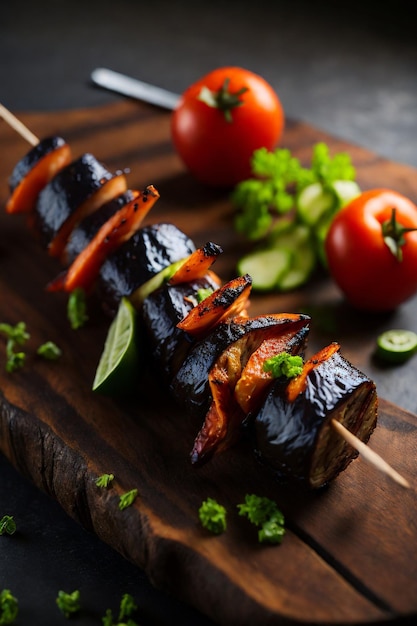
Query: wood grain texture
349, 552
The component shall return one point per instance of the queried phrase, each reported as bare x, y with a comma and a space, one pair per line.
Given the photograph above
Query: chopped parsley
127, 608
284, 364
278, 178
212, 516
127, 499
49, 350
104, 480
68, 603
9, 607
7, 525
264, 512
77, 308
16, 336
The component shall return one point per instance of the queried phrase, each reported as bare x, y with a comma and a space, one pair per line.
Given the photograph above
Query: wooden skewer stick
369, 455
18, 126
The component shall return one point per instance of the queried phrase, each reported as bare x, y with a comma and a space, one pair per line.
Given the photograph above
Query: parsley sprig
278, 178
284, 364
68, 603
7, 525
9, 607
212, 516
264, 513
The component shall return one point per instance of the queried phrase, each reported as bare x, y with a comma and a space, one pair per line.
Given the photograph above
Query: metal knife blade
133, 88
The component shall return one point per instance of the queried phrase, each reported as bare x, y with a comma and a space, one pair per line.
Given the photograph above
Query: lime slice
396, 346
118, 365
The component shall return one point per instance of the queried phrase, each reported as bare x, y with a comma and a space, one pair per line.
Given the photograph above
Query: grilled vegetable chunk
293, 432
111, 235
148, 252
207, 383
161, 312
76, 191
34, 171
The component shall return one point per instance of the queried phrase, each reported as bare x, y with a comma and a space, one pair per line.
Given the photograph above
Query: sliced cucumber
303, 262
313, 202
346, 190
266, 267
397, 345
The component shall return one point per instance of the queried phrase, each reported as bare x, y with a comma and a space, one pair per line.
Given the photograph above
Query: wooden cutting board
349, 552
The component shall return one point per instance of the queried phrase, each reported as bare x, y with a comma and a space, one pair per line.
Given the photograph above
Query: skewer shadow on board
356, 444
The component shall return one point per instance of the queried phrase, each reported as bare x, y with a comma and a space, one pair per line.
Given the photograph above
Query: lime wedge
118, 365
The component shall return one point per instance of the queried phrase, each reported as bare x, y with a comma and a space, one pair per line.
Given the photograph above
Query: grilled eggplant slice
150, 250
34, 171
83, 272
161, 311
293, 433
84, 232
231, 402
76, 191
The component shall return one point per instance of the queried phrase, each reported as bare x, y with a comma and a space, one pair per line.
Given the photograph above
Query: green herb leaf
9, 607
104, 480
127, 607
264, 512
49, 350
284, 364
212, 516
77, 308
68, 603
127, 499
16, 336
7, 525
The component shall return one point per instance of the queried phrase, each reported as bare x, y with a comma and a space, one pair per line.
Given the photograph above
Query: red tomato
221, 119
370, 273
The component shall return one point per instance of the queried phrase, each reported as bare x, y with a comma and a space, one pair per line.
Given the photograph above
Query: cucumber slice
303, 262
313, 202
345, 191
266, 267
397, 345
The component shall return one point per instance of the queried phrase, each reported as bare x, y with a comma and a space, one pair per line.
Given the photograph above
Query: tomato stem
223, 99
393, 234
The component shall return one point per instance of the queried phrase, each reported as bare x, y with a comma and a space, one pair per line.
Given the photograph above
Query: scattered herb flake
284, 364
49, 350
104, 480
127, 499
264, 512
9, 607
68, 603
7, 525
77, 308
212, 516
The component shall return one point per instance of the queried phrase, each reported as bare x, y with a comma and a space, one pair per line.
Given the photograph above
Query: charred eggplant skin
84, 232
149, 251
190, 385
24, 166
62, 196
287, 434
161, 312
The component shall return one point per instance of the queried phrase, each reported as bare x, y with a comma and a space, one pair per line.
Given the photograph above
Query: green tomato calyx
223, 99
393, 234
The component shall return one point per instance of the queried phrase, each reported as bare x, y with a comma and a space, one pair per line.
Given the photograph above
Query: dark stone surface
350, 68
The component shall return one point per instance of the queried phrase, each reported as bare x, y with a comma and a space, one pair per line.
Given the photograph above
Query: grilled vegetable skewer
210, 352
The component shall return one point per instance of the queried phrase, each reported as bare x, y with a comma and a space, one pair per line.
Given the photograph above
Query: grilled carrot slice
197, 264
34, 171
112, 234
228, 301
298, 384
